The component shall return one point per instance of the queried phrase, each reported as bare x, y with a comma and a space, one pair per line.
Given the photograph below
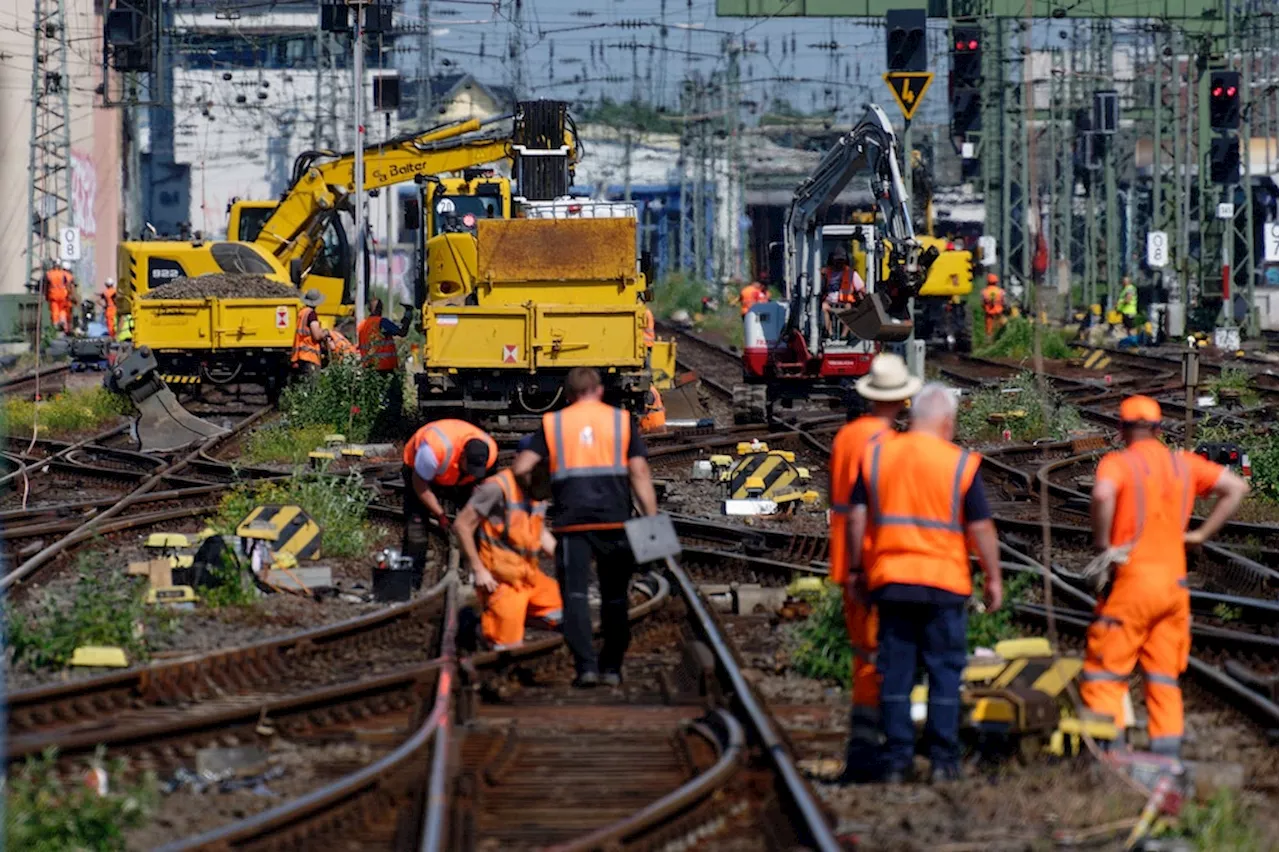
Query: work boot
945, 773
862, 759
610, 678
586, 680
899, 776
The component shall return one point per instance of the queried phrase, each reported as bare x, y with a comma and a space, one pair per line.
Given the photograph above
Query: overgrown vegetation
104, 607
47, 812
680, 292
283, 443
1263, 449
231, 585
1222, 824
344, 397
1016, 341
73, 411
1018, 405
1236, 381
820, 644
338, 504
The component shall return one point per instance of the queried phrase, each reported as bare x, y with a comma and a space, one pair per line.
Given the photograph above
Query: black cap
475, 458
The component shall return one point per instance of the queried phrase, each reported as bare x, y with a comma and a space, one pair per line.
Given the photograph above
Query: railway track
48, 381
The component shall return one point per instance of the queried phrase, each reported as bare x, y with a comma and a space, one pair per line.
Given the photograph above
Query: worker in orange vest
597, 460
992, 303
309, 336
60, 291
650, 330
655, 413
109, 305
841, 284
444, 454
1141, 505
755, 293
917, 503
376, 337
887, 386
501, 533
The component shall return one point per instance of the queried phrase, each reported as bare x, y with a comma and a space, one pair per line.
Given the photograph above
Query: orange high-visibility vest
847, 450
1153, 508
509, 549
588, 438
993, 299
750, 296
109, 309
446, 438
58, 285
915, 512
847, 283
650, 330
377, 350
655, 413
305, 350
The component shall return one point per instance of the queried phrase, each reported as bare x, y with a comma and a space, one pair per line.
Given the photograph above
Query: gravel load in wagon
221, 285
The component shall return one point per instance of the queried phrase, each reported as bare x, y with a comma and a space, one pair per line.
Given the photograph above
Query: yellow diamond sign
908, 89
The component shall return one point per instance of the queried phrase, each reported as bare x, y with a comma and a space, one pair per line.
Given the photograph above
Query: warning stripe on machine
286, 529
777, 474
1098, 359
180, 380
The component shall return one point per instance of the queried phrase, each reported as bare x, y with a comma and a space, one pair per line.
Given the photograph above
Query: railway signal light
966, 56
905, 45
1224, 100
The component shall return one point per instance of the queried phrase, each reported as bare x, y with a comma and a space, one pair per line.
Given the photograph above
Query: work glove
1098, 571
443, 520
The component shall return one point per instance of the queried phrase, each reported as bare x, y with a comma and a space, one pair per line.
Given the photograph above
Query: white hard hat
65, 264
109, 281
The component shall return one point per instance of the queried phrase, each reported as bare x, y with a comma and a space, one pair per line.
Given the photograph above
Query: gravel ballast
222, 285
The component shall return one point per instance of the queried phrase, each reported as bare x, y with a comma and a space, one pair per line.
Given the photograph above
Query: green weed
45, 812
1264, 459
337, 504
105, 607
678, 292
1019, 394
1223, 824
73, 411
1226, 613
1016, 341
283, 443
343, 397
231, 586
988, 628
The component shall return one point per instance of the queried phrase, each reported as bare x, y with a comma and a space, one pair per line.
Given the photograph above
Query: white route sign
69, 244
987, 245
1226, 210
1157, 249
1272, 242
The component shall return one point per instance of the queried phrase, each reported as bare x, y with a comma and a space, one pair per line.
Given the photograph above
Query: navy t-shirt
592, 499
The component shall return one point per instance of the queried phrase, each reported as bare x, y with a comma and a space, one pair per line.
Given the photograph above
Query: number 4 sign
1273, 242
1157, 249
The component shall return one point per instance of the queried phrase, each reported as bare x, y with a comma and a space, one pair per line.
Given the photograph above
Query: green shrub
1264, 455
343, 397
73, 411
232, 585
45, 812
1016, 340
283, 443
1223, 824
677, 292
105, 607
1020, 393
337, 503
988, 628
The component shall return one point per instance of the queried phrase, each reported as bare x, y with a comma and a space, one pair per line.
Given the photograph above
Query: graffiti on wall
84, 197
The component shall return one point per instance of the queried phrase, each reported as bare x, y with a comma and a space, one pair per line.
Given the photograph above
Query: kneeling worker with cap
888, 387
917, 504
501, 533
448, 456
1142, 501
597, 459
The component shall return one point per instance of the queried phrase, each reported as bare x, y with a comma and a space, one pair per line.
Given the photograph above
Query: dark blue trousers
932, 636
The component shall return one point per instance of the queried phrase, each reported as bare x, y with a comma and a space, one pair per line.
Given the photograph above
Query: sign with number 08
1157, 249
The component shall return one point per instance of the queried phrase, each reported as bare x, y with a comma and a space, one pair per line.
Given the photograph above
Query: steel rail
731, 746
90, 527
69, 448
809, 811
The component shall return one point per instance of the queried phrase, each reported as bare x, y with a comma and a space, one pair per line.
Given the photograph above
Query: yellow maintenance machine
520, 288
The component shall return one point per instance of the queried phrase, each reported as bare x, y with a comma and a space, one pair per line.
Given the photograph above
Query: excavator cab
331, 267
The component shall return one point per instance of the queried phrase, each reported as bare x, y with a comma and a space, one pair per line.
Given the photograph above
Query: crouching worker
501, 533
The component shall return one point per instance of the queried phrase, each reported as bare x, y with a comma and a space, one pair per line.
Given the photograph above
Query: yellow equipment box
535, 336
216, 323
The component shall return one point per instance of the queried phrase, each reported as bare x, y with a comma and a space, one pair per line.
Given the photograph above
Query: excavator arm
871, 148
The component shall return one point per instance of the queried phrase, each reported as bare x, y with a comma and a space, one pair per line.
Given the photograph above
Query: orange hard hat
992, 278
1140, 409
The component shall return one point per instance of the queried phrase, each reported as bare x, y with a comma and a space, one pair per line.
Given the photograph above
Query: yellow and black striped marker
285, 529
763, 476
181, 380
1098, 359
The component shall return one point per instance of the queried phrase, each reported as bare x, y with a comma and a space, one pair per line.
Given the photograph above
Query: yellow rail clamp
99, 655
807, 586
172, 595
762, 475
182, 560
721, 461
1098, 359
353, 451
1032, 646
745, 447
285, 529
168, 540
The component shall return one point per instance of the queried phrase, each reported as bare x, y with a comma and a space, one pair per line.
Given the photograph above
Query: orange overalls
655, 413
58, 293
510, 551
752, 295
446, 438
305, 350
992, 306
109, 309
1146, 617
339, 346
378, 350
847, 450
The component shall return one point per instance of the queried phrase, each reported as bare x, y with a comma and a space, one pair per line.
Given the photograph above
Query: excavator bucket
681, 400
869, 320
162, 424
